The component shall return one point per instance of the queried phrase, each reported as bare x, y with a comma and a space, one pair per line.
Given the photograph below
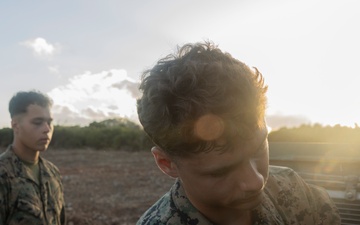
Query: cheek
27, 133
51, 132
215, 190
263, 166
205, 189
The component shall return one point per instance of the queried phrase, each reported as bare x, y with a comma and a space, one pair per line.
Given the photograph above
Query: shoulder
283, 175
50, 167
7, 173
280, 170
4, 172
159, 213
287, 188
284, 179
6, 164
294, 196
173, 208
287, 177
5, 157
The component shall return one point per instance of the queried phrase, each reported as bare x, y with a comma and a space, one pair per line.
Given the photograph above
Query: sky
88, 56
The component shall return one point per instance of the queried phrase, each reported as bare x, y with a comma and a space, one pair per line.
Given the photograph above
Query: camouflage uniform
287, 200
22, 201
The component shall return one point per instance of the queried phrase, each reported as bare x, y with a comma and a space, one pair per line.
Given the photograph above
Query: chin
42, 148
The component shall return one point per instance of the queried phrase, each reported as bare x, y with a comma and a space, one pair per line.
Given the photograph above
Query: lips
256, 198
44, 140
251, 198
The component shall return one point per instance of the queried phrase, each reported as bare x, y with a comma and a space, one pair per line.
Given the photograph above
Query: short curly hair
21, 100
199, 80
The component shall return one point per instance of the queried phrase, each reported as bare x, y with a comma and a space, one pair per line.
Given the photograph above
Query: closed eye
37, 123
262, 149
219, 173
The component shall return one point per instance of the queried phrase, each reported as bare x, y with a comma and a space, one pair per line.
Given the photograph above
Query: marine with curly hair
205, 113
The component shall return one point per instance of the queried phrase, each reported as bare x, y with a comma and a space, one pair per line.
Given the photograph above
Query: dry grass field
108, 187
104, 187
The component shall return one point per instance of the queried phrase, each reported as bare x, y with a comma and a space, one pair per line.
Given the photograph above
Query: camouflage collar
265, 213
189, 213
19, 167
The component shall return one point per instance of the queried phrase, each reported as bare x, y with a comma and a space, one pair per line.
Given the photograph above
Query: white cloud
41, 47
54, 69
94, 97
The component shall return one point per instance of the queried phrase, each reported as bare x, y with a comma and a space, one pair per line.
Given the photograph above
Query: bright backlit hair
200, 81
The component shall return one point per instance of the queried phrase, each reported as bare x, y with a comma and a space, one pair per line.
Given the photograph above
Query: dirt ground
108, 187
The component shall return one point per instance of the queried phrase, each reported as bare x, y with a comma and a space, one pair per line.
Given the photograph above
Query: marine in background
31, 191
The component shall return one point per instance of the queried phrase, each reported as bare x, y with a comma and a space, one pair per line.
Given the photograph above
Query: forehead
37, 111
240, 149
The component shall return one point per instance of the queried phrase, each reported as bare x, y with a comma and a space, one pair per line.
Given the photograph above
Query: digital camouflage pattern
22, 201
287, 200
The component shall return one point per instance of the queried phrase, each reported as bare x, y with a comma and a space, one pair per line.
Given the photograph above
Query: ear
15, 124
164, 162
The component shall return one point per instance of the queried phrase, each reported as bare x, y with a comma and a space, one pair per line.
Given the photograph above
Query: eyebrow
227, 168
222, 170
48, 119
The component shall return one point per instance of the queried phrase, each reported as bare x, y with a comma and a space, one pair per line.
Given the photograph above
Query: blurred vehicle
336, 167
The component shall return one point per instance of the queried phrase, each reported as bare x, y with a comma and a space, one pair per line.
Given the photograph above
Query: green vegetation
6, 136
109, 134
123, 134
317, 133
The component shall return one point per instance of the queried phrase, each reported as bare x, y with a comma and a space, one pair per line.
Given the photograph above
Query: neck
26, 154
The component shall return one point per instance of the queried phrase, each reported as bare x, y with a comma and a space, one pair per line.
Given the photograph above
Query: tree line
317, 133
108, 134
124, 134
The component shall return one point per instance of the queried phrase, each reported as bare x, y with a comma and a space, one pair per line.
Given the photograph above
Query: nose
249, 178
47, 127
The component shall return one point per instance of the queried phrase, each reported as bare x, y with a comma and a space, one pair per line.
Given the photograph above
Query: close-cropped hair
198, 80
21, 100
